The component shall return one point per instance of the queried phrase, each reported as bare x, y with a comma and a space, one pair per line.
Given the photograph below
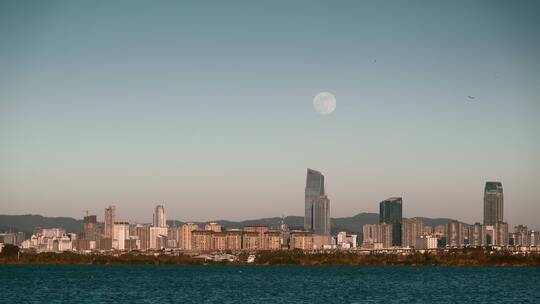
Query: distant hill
27, 223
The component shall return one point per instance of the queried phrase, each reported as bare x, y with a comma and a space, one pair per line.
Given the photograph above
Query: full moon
324, 103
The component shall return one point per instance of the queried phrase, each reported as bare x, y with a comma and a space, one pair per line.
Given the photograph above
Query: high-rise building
302, 240
143, 233
261, 231
493, 203
390, 212
110, 214
478, 234
173, 236
158, 237
120, 234
233, 239
521, 235
377, 235
90, 227
454, 234
186, 235
317, 204
159, 217
411, 230
321, 215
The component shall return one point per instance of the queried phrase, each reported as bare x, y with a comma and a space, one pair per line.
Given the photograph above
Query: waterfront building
186, 235
502, 233
426, 242
322, 241
110, 216
521, 236
370, 234
219, 240
158, 237
261, 230
466, 232
90, 227
13, 238
534, 238
390, 212
411, 230
454, 234
302, 240
202, 240
321, 215
233, 239
377, 234
497, 235
251, 240
352, 240
273, 240
161, 241
159, 219
173, 236
132, 243
143, 234
493, 203
105, 243
213, 227
317, 204
478, 233
120, 234
341, 238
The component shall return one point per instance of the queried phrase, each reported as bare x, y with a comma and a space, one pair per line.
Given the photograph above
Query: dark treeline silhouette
458, 257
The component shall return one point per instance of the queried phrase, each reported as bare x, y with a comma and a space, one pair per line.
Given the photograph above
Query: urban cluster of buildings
395, 231
392, 232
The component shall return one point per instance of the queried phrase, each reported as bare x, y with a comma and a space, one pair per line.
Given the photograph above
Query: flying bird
471, 97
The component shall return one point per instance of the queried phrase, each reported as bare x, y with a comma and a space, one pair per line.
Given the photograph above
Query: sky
207, 107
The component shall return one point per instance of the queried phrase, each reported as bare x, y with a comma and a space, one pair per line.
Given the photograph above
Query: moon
324, 103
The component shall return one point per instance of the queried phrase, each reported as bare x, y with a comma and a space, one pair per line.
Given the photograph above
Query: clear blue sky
207, 106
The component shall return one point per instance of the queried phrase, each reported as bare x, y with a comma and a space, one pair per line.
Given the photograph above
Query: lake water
267, 284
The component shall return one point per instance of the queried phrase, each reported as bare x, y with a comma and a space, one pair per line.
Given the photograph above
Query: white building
341, 238
352, 239
155, 233
159, 217
120, 234
426, 242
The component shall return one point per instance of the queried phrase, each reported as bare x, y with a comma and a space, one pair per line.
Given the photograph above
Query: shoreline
286, 258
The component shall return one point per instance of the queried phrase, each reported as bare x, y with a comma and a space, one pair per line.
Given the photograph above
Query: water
267, 284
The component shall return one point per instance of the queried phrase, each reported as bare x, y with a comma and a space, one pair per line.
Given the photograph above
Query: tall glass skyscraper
493, 203
110, 214
159, 217
390, 212
317, 204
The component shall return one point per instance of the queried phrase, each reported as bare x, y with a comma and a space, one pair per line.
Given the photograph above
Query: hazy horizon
209, 109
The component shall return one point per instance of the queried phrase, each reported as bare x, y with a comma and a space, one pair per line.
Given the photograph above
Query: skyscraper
159, 217
317, 204
493, 203
321, 215
390, 212
110, 214
90, 227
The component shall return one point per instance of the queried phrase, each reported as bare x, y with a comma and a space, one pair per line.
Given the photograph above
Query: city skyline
210, 109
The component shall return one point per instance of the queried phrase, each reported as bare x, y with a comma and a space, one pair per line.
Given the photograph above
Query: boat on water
251, 258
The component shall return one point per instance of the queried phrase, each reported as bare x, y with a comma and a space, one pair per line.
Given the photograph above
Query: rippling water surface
267, 284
